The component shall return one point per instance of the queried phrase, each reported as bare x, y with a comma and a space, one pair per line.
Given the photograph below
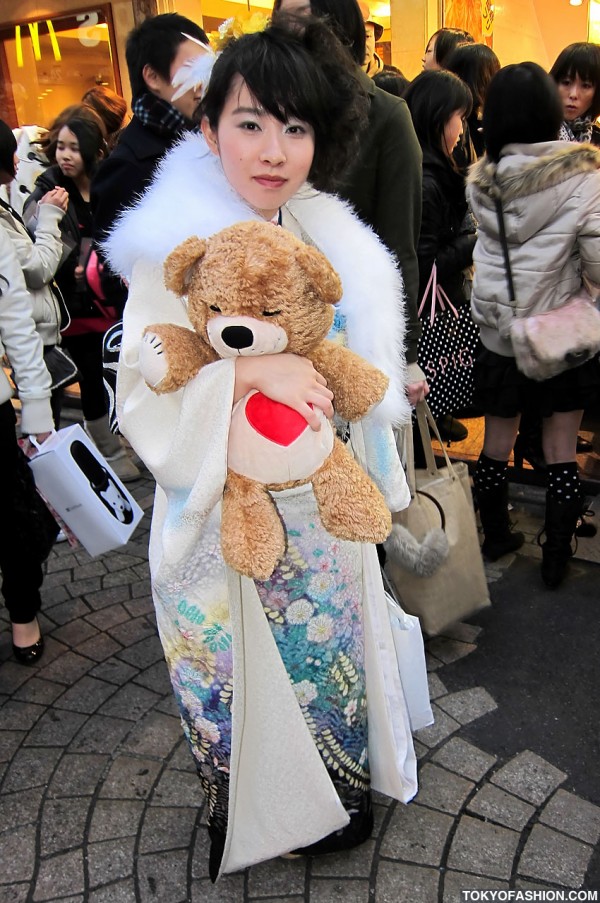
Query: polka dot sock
563, 482
489, 473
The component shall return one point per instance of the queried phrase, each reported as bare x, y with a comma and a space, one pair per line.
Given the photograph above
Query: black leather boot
559, 527
493, 512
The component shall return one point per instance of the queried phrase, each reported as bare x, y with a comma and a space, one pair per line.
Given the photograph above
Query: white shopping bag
76, 480
410, 653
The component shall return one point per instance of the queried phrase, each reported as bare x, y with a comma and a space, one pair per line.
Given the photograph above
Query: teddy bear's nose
237, 336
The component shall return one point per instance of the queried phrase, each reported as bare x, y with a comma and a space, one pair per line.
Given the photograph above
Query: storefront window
49, 64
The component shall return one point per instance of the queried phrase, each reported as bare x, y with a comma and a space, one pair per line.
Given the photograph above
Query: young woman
439, 102
80, 146
550, 196
22, 573
476, 65
441, 44
289, 766
577, 74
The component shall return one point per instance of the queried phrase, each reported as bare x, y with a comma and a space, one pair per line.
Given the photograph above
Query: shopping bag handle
425, 423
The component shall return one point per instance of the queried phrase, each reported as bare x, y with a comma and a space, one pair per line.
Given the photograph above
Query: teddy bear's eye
216, 309
271, 313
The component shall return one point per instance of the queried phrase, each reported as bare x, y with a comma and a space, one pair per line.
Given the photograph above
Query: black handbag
61, 367
32, 522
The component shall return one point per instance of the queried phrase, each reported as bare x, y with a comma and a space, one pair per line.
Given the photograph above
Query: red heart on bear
275, 421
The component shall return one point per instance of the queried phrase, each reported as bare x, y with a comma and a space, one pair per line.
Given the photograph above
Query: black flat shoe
584, 446
29, 655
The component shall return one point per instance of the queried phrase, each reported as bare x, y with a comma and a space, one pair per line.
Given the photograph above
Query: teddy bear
255, 289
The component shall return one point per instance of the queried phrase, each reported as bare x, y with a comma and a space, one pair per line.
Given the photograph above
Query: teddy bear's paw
421, 558
153, 360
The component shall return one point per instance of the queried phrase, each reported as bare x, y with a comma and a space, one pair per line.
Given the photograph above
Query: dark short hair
391, 82
432, 97
582, 59
154, 43
346, 21
89, 130
446, 40
297, 68
476, 65
522, 107
8, 148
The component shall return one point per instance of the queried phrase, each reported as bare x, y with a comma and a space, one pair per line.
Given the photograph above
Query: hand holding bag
547, 344
441, 498
61, 367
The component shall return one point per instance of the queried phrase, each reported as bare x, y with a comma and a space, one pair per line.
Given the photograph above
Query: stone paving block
397, 881
155, 735
38, 690
200, 854
182, 759
114, 671
230, 889
325, 890
142, 603
112, 819
432, 663
416, 834
168, 706
466, 633
88, 589
163, 876
14, 676
66, 669
420, 749
95, 567
167, 829
356, 863
63, 825
178, 788
483, 848
100, 735
530, 777
440, 730
554, 858
442, 790
60, 876
67, 611
448, 650
455, 882
118, 892
131, 631
130, 702
468, 705
21, 808
30, 768
143, 654
86, 695
277, 876
436, 687
76, 632
78, 775
108, 617
125, 577
99, 648
55, 728
498, 806
130, 777
465, 759
53, 595
9, 743
14, 893
102, 598
58, 578
110, 860
156, 678
571, 815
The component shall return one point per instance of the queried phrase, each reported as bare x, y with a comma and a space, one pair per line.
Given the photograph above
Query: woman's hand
416, 392
58, 197
287, 378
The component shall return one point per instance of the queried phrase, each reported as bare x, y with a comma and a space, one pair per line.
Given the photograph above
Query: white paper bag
410, 653
76, 480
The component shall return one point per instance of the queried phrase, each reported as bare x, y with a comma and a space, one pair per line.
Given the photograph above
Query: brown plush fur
260, 271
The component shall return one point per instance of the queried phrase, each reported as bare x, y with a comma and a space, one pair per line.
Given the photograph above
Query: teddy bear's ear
180, 263
319, 271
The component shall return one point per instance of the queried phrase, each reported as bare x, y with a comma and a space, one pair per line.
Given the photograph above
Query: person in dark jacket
439, 102
476, 65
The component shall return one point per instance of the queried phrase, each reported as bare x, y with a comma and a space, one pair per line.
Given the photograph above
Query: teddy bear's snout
237, 336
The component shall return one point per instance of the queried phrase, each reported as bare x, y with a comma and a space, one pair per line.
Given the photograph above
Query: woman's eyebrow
258, 111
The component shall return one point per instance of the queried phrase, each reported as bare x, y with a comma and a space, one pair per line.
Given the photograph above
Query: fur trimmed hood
191, 196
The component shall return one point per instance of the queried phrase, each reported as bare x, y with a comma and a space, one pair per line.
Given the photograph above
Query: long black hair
8, 148
89, 130
446, 40
297, 69
345, 20
476, 65
432, 98
582, 59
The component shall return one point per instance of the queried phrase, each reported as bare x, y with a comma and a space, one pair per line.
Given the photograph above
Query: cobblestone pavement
99, 800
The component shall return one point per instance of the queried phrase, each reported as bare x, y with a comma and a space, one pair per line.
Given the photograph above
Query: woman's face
68, 155
453, 131
264, 160
428, 60
577, 96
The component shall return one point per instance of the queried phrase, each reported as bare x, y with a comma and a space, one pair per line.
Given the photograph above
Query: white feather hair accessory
194, 73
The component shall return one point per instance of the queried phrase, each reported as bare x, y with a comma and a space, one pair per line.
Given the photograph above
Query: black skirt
501, 390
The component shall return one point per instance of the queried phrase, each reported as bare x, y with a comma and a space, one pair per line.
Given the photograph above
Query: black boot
561, 521
491, 492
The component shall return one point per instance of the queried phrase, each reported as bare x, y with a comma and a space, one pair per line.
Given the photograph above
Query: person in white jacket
21, 571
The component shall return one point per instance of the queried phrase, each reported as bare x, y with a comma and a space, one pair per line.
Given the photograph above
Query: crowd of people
302, 125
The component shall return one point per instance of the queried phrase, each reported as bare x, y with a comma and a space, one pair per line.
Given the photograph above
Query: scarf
160, 116
579, 130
